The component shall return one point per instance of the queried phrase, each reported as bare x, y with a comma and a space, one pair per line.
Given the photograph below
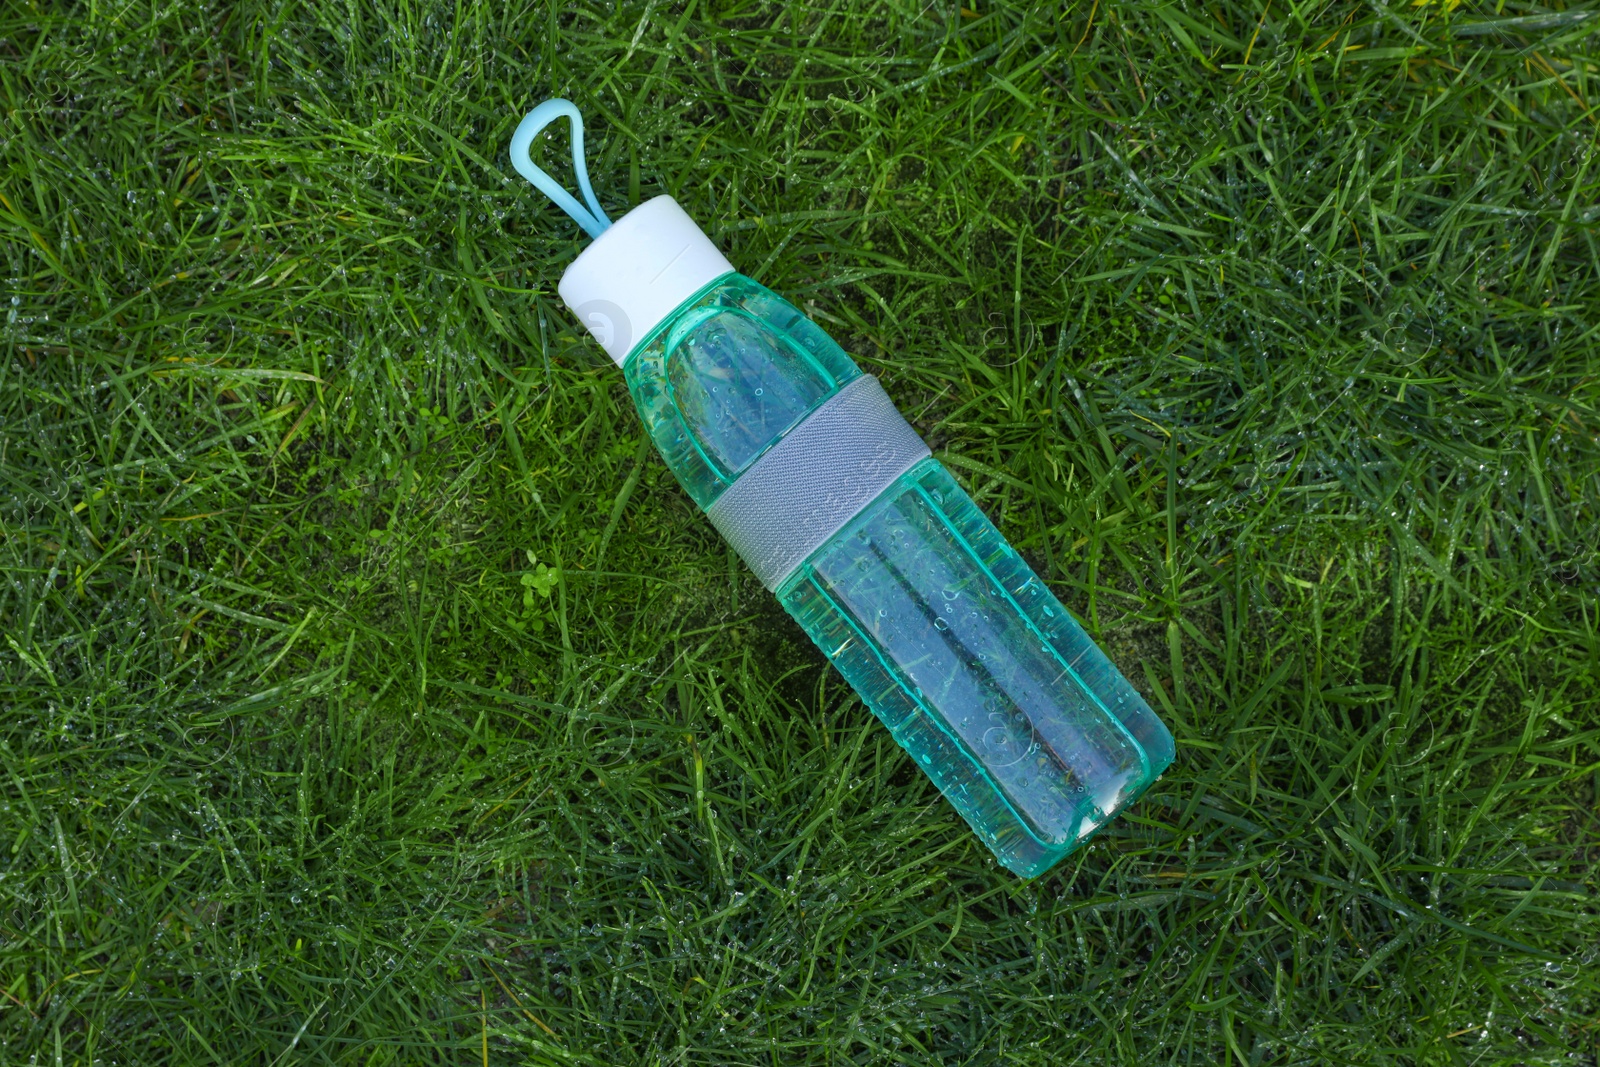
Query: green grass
1271, 335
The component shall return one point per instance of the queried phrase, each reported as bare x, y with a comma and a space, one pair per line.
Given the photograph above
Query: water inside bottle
952, 641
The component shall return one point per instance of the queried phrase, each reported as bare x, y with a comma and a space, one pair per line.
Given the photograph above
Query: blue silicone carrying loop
592, 219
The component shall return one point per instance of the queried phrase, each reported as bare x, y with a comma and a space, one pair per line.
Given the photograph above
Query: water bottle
803, 463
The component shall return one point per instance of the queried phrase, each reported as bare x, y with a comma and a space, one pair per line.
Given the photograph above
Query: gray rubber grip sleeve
818, 477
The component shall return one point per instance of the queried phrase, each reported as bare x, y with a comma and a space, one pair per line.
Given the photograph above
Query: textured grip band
816, 479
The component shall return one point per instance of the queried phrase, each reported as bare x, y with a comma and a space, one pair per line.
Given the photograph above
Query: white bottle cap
638, 272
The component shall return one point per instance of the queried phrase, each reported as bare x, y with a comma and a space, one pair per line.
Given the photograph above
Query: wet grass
1270, 333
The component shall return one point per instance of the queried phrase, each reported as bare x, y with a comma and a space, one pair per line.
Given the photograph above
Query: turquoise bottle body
948, 636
